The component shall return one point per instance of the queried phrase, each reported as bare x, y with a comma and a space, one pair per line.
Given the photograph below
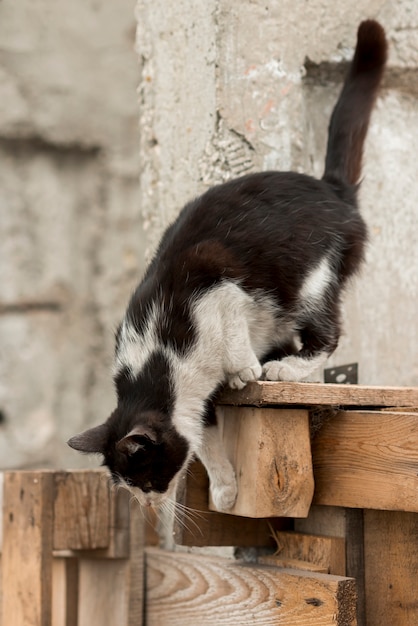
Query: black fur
266, 232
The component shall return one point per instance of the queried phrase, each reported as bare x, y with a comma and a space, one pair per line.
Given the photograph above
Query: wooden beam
81, 510
195, 525
347, 524
391, 565
325, 552
65, 592
264, 393
186, 589
368, 460
271, 453
135, 589
27, 548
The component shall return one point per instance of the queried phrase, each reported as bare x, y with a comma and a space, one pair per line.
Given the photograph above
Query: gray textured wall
224, 89
70, 228
231, 86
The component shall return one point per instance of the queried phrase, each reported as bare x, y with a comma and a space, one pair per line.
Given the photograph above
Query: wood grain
81, 510
65, 590
201, 527
391, 566
27, 548
262, 393
368, 460
325, 552
185, 590
270, 451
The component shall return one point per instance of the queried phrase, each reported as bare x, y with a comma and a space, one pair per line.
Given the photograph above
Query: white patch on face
135, 348
316, 283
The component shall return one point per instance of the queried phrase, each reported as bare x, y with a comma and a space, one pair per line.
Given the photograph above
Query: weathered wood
368, 460
185, 590
391, 566
262, 393
65, 590
355, 558
197, 526
81, 510
284, 563
325, 552
270, 451
27, 548
135, 588
103, 592
347, 524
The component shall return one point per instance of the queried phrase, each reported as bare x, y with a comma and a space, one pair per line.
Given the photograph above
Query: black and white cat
245, 284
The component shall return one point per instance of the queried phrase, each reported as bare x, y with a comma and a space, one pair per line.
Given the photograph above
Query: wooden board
368, 460
81, 510
262, 393
185, 590
201, 527
325, 552
65, 592
391, 566
135, 588
270, 451
27, 548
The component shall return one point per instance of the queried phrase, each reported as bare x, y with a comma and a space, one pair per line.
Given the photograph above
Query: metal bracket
344, 374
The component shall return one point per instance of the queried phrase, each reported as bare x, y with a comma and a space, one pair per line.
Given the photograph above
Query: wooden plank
135, 588
262, 393
368, 460
276, 561
331, 521
81, 510
27, 548
355, 558
65, 592
104, 585
325, 552
270, 451
186, 589
391, 565
195, 525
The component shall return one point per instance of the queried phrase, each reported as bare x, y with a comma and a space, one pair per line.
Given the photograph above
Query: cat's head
142, 450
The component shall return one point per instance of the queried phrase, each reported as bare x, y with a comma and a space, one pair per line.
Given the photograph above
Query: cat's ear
93, 440
137, 439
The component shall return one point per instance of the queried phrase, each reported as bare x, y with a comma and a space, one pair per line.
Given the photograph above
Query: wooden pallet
341, 511
72, 551
360, 519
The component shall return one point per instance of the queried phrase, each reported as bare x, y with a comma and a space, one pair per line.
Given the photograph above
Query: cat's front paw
244, 376
224, 496
291, 369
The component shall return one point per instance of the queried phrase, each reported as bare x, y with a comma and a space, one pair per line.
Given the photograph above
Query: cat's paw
291, 369
224, 496
280, 370
244, 376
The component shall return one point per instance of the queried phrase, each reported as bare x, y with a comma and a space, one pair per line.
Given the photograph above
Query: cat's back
266, 210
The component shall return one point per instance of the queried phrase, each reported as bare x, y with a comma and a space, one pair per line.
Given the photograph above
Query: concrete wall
224, 89
231, 86
70, 227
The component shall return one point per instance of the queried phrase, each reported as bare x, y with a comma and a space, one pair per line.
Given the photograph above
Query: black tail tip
372, 47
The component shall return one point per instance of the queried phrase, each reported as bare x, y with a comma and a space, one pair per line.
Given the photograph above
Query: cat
246, 283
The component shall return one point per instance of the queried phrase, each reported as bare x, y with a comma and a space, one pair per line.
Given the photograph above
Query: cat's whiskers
183, 514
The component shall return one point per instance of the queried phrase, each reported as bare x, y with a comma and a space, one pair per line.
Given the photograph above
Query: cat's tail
350, 118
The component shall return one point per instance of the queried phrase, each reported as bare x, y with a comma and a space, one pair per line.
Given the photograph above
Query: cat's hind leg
319, 339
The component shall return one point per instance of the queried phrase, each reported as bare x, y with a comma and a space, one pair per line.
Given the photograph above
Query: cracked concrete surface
101, 147
255, 91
